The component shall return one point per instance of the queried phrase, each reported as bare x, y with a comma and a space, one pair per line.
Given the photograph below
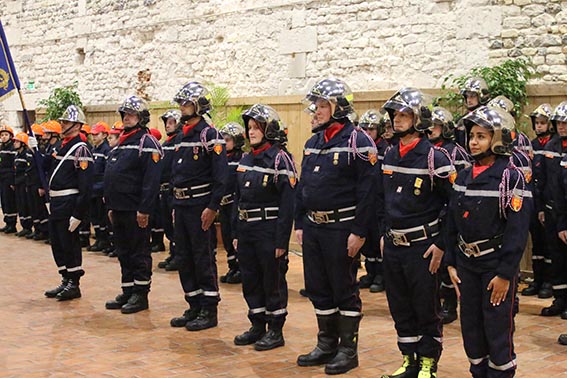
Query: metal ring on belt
404, 237
63, 192
259, 214
331, 216
164, 187
227, 200
480, 247
192, 192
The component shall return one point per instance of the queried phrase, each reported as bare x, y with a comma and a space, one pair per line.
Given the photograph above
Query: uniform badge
528, 176
516, 203
417, 192
292, 181
84, 164
388, 172
218, 149
240, 169
453, 177
307, 153
155, 157
372, 158
195, 157
336, 158
418, 182
265, 181
180, 161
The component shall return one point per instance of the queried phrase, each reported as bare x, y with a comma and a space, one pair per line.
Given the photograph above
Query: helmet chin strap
259, 144
436, 140
482, 155
130, 128
545, 133
67, 130
323, 126
401, 134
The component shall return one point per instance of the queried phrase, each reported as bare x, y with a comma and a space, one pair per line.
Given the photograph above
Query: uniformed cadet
99, 217
233, 135
417, 178
559, 259
7, 193
170, 122
371, 122
442, 134
51, 136
156, 218
33, 184
21, 163
549, 198
335, 207
265, 202
541, 261
131, 187
85, 226
488, 222
475, 93
113, 139
70, 183
199, 176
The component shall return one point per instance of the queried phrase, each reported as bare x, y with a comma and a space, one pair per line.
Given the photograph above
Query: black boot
409, 368
532, 289
118, 302
271, 340
136, 303
100, 245
158, 247
224, 277
207, 318
255, 333
91, 248
545, 291
23, 233
189, 315
10, 230
71, 291
556, 308
172, 266
53, 292
347, 355
32, 235
378, 285
235, 278
449, 309
562, 339
365, 281
163, 264
327, 342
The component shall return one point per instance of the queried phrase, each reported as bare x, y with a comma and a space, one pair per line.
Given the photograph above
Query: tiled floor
41, 337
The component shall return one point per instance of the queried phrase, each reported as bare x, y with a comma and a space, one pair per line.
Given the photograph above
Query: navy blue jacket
200, 162
333, 177
168, 147
459, 156
233, 158
76, 172
100, 154
7, 156
132, 175
547, 174
257, 187
411, 198
21, 164
474, 213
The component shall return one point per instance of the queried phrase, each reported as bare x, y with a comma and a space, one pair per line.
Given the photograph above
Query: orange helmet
7, 128
37, 129
155, 133
86, 128
100, 125
52, 127
117, 128
22, 137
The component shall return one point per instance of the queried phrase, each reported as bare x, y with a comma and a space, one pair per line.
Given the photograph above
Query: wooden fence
291, 111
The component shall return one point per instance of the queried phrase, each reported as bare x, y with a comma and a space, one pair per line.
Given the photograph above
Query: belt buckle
243, 214
319, 217
471, 250
399, 239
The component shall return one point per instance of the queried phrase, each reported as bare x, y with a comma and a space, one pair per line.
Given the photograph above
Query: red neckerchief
543, 140
169, 138
126, 135
190, 125
68, 139
478, 169
378, 141
333, 130
404, 149
564, 143
256, 151
229, 153
439, 144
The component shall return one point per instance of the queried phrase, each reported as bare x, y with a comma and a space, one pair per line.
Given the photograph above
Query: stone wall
272, 47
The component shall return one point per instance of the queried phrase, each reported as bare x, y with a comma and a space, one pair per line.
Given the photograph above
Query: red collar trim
333, 130
404, 149
125, 136
478, 169
256, 151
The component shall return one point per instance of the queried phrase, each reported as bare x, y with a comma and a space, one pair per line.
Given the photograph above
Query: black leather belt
332, 216
192, 192
480, 247
404, 237
227, 200
259, 214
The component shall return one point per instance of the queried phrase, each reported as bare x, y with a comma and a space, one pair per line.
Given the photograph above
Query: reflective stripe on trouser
225, 217
487, 330
264, 282
413, 298
371, 252
37, 208
23, 206
197, 263
133, 247
66, 248
329, 273
99, 218
8, 201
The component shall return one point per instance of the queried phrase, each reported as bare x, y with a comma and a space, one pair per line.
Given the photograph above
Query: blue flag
9, 82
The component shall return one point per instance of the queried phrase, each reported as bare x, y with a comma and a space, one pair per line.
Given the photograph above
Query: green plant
507, 79
59, 99
221, 114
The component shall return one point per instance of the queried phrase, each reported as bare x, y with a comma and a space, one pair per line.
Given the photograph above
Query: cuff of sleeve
359, 231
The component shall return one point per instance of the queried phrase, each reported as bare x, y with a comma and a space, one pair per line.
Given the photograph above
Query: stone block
296, 67
509, 33
553, 59
519, 22
543, 20
522, 3
533, 10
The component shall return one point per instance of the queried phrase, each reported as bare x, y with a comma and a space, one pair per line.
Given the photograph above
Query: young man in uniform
199, 175
7, 192
131, 187
70, 183
417, 184
335, 207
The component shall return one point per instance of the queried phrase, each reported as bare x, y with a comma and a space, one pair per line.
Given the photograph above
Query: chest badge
417, 192
218, 149
316, 169
336, 158
516, 203
84, 164
247, 184
265, 181
372, 158
195, 153
155, 157
399, 190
